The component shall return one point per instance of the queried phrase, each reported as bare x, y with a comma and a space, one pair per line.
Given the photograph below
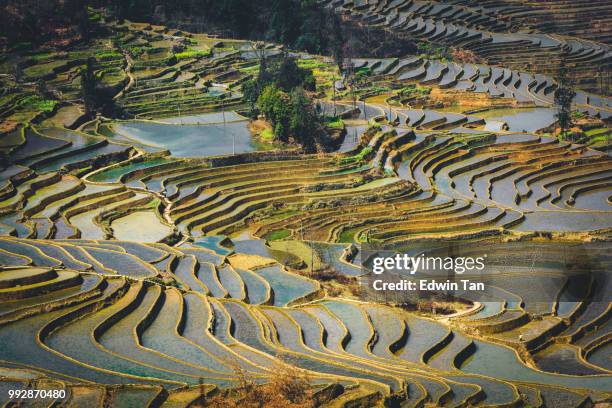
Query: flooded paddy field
162, 251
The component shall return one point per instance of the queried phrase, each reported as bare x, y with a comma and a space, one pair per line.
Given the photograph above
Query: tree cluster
300, 24
96, 97
37, 21
279, 92
283, 73
292, 116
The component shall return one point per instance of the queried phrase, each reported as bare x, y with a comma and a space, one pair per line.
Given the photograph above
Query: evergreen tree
564, 95
250, 93
336, 39
88, 87
304, 121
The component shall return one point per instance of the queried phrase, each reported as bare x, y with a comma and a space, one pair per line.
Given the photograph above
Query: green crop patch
277, 235
37, 103
108, 55
191, 53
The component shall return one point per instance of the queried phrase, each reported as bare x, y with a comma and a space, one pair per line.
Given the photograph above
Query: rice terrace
194, 195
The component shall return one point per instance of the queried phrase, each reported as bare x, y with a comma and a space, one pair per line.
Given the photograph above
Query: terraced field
530, 35
154, 260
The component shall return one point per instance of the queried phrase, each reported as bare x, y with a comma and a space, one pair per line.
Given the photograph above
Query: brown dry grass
7, 126
288, 388
249, 261
258, 126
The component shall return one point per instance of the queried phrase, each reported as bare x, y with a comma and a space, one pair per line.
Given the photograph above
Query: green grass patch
601, 139
596, 131
82, 54
311, 63
250, 70
358, 157
153, 204
334, 123
40, 70
267, 134
277, 235
282, 215
372, 90
108, 55
363, 71
347, 235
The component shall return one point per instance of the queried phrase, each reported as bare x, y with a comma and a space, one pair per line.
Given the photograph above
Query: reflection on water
204, 118
212, 139
564, 221
503, 363
518, 120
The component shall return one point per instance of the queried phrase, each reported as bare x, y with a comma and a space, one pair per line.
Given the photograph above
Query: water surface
201, 140
519, 120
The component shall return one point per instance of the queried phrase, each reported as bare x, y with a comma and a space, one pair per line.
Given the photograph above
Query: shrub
95, 17
432, 52
464, 56
358, 157
288, 388
334, 123
136, 51
363, 71
372, 123
414, 91
267, 134
326, 275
